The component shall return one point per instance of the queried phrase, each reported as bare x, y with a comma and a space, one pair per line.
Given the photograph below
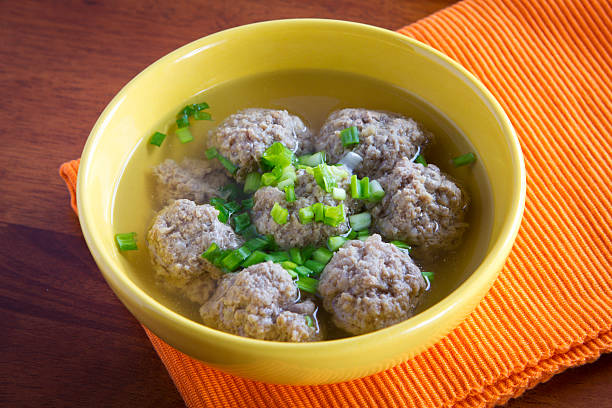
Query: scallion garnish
324, 177
360, 221
231, 167
306, 215
126, 241
296, 256
303, 271
268, 179
230, 191
184, 135
209, 253
279, 256
351, 160
279, 214
182, 121
355, 187
157, 138
232, 207
421, 160
248, 203
200, 106
201, 115
312, 160
232, 260
307, 284
319, 212
186, 111
335, 243
350, 136
363, 237
464, 159
289, 265
278, 155
255, 258
211, 153
241, 222
428, 275
249, 232
334, 216
252, 182
376, 191
257, 243
322, 255
365, 188
290, 193
401, 245
338, 193
309, 321
316, 267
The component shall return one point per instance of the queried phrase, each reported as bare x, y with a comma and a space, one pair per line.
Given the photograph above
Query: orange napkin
550, 66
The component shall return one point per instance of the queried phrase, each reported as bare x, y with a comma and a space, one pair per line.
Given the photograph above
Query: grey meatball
294, 233
244, 136
195, 180
369, 285
384, 138
257, 302
179, 234
422, 207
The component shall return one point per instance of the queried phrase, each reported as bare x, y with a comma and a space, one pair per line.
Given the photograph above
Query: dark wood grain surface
65, 338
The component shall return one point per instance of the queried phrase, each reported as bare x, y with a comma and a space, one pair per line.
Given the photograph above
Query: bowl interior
284, 46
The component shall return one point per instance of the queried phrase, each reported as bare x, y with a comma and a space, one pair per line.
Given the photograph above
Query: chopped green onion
282, 185
257, 243
252, 182
363, 237
126, 241
279, 214
306, 215
215, 201
464, 160
360, 221
307, 251
334, 216
231, 167
182, 121
312, 160
324, 177
352, 235
307, 284
309, 321
241, 222
186, 111
232, 207
278, 155
338, 194
200, 106
322, 255
255, 258
296, 256
279, 256
350, 136
428, 275
376, 191
201, 115
401, 245
319, 211
351, 160
317, 267
249, 232
289, 265
184, 135
291, 273
223, 213
268, 179
211, 153
209, 253
290, 194
335, 243
232, 260
365, 188
248, 203
230, 191
157, 138
355, 187
303, 270
421, 160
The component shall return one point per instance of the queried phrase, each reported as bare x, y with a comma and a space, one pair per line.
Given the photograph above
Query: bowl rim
479, 281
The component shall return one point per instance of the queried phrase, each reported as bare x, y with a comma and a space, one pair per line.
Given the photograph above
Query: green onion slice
319, 212
257, 243
184, 135
312, 160
401, 245
365, 188
303, 270
334, 216
335, 243
324, 177
464, 159
252, 182
428, 275
278, 155
376, 191
290, 193
209, 253
355, 187
201, 115
211, 153
296, 256
241, 222
350, 136
232, 260
289, 265
309, 321
248, 203
338, 194
183, 121
307, 284
157, 138
306, 215
279, 214
360, 221
126, 241
255, 258
322, 255
231, 167
316, 267
279, 256
421, 160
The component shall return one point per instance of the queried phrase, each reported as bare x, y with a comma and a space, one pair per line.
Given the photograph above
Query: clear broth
312, 95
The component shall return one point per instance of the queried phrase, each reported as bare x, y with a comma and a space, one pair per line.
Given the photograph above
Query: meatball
178, 236
384, 138
294, 233
369, 285
257, 302
244, 136
422, 207
195, 180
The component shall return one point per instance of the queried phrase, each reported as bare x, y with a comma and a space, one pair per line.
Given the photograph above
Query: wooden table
66, 340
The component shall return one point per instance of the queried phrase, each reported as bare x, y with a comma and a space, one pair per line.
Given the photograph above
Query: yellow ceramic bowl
289, 45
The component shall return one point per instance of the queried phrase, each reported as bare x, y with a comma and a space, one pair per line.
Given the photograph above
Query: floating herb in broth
311, 95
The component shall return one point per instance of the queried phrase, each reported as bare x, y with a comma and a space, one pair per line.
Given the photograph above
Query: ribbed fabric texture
550, 66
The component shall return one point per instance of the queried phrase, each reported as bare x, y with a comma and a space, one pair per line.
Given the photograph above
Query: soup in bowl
302, 72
